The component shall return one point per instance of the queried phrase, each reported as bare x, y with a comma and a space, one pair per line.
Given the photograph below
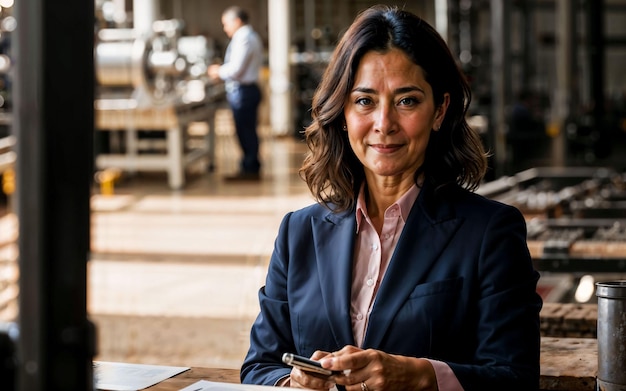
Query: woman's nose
385, 120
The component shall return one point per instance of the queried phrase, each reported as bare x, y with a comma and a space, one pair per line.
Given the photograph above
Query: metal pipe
145, 12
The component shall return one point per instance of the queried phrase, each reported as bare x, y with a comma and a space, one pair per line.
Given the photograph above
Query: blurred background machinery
576, 216
151, 89
576, 219
7, 141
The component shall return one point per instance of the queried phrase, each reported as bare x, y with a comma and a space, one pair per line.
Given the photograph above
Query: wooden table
567, 364
193, 375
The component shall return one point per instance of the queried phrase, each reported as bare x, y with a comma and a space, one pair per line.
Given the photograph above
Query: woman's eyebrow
364, 90
401, 90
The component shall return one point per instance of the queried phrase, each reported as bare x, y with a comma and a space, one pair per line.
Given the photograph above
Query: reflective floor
174, 274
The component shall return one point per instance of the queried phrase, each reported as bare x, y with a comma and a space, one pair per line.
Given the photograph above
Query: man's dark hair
238, 12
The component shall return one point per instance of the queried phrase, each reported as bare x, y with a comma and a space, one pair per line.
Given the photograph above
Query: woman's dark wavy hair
454, 154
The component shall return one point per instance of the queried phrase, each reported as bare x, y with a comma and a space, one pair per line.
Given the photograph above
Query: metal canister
611, 335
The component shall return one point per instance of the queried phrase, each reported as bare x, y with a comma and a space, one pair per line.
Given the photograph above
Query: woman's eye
408, 101
363, 101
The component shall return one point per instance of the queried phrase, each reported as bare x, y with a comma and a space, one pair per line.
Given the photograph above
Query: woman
400, 277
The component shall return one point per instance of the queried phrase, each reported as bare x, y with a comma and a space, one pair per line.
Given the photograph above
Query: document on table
205, 385
116, 376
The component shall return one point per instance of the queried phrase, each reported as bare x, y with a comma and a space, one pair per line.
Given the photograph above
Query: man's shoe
244, 177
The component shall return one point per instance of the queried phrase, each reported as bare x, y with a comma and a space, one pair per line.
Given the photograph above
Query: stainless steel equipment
152, 80
611, 335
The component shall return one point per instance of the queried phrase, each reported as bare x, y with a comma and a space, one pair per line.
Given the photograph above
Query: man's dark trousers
244, 100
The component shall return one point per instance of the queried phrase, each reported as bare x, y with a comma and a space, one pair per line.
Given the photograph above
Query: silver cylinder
114, 60
120, 63
611, 335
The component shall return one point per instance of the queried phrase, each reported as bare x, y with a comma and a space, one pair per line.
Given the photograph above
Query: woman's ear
440, 113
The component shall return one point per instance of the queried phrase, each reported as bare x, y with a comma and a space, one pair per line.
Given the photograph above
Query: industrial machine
151, 85
576, 216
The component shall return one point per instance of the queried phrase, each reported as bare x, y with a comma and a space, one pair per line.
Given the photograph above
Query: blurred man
240, 72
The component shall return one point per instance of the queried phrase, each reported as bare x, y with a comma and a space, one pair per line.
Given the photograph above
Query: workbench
128, 116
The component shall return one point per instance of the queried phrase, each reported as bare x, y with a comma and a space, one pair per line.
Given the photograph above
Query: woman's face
390, 113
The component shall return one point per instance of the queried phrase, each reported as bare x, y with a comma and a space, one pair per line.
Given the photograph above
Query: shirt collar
405, 203
243, 30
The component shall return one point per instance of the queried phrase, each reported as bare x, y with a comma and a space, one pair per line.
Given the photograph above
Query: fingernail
329, 361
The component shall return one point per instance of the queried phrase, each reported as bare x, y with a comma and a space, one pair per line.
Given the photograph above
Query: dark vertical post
595, 10
596, 49
574, 71
454, 21
54, 122
501, 80
528, 50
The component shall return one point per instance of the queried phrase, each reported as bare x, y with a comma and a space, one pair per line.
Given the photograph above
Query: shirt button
369, 282
386, 236
359, 317
374, 246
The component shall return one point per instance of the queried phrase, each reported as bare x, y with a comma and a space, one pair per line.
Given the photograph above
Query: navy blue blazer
460, 288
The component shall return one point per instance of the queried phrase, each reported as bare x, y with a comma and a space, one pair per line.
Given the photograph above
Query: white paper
205, 385
115, 376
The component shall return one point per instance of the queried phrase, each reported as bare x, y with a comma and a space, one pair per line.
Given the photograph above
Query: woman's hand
373, 370
315, 381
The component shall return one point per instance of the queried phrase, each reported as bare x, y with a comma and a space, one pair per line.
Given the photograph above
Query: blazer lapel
334, 238
428, 230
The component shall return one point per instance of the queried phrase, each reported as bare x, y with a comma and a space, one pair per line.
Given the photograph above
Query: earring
345, 127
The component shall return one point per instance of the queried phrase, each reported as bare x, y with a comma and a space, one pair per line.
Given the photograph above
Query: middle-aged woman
399, 277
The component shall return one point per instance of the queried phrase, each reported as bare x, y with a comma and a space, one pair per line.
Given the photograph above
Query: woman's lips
386, 148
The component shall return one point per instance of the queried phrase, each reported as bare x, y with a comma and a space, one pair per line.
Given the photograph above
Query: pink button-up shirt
372, 254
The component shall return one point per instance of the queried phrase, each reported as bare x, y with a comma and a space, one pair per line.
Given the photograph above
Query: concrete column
279, 44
